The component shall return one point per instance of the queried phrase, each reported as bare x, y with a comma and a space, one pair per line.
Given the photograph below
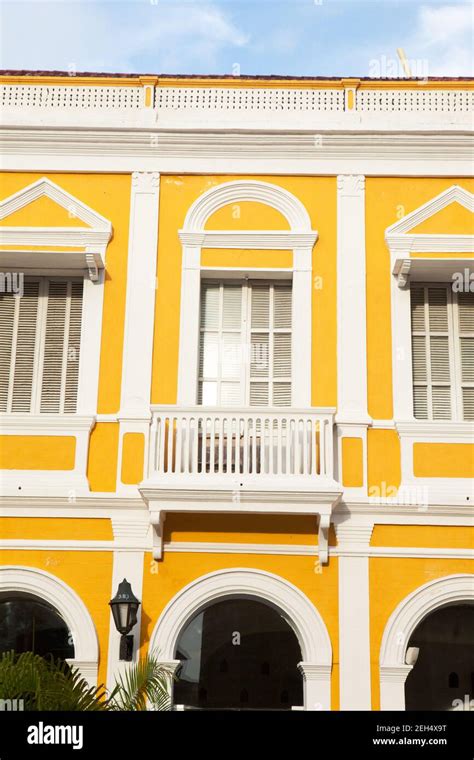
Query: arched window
442, 672
260, 651
29, 624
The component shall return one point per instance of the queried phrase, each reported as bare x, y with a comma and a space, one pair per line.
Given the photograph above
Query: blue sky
292, 37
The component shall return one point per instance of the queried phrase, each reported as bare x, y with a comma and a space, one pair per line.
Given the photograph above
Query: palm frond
145, 684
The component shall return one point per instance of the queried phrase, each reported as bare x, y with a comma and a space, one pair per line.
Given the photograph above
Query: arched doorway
61, 602
406, 625
444, 670
275, 592
239, 654
30, 624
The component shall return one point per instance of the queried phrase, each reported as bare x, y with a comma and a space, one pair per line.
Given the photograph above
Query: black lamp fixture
124, 607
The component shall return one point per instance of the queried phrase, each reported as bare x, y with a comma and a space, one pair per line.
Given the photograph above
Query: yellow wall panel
235, 257
161, 581
89, 574
43, 212
443, 460
352, 462
103, 454
247, 215
56, 528
383, 462
454, 219
432, 536
133, 455
37, 452
251, 529
391, 580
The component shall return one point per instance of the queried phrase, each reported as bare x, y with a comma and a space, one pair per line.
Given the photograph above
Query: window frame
246, 331
454, 336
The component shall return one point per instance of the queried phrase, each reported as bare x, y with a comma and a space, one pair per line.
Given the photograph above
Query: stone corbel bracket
157, 520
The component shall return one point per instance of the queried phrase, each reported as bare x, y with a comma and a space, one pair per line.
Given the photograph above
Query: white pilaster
354, 620
316, 685
302, 321
129, 565
189, 326
351, 299
392, 686
141, 287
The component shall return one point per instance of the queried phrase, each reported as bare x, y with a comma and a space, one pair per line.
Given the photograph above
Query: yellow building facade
237, 351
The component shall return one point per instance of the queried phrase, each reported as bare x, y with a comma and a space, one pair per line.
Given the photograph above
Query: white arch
299, 612
402, 623
247, 190
69, 605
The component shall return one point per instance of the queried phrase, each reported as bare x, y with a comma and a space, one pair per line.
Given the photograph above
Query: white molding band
69, 605
402, 623
279, 593
300, 238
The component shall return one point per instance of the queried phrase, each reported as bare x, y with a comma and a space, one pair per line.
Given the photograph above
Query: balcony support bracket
157, 520
323, 538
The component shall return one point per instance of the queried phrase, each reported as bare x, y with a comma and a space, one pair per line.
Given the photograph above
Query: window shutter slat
282, 355
232, 307
438, 309
25, 348
260, 305
74, 348
54, 347
417, 309
466, 312
468, 403
282, 306
420, 402
7, 315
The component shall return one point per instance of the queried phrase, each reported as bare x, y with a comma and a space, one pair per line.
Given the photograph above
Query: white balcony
256, 460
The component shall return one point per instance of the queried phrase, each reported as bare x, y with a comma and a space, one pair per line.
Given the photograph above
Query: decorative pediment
411, 245
88, 238
97, 231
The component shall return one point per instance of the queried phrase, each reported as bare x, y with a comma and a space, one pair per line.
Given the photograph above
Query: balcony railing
203, 442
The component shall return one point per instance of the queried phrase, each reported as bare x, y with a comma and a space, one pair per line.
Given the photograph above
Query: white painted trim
247, 190
452, 194
193, 236
260, 239
140, 298
299, 612
144, 543
44, 187
69, 605
403, 622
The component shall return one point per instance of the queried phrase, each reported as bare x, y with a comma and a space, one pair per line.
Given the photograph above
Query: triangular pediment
41, 195
449, 213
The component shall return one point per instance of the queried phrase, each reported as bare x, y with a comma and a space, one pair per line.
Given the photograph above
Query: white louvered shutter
220, 360
442, 352
245, 344
270, 361
39, 347
465, 324
432, 392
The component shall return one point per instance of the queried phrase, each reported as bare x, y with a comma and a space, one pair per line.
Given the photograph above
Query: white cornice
431, 243
286, 152
259, 239
44, 424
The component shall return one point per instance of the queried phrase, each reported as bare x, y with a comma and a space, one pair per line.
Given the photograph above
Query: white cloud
116, 36
443, 37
